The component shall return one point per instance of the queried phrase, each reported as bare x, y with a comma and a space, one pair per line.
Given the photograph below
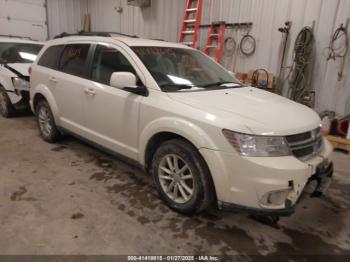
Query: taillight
30, 70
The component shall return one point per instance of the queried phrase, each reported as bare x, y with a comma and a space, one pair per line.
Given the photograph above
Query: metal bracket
228, 25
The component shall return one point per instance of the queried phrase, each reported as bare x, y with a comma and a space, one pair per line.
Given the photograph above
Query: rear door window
74, 59
51, 57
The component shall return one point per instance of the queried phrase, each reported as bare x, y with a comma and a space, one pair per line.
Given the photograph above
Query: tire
7, 110
46, 122
192, 164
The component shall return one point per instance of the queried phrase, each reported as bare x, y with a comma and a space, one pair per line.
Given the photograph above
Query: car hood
20, 68
262, 112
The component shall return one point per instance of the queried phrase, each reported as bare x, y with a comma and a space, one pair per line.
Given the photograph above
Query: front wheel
6, 108
182, 177
46, 122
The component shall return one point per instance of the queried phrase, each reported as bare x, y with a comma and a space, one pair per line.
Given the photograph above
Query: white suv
16, 55
202, 135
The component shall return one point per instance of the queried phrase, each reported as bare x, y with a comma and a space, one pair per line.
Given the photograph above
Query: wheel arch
155, 141
161, 130
42, 92
159, 138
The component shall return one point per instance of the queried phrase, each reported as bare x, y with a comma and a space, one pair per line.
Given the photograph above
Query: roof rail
102, 34
121, 34
158, 39
17, 36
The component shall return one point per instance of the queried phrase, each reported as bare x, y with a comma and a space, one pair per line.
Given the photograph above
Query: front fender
193, 133
45, 92
6, 83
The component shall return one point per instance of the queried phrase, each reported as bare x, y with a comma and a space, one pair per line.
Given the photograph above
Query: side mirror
128, 82
123, 79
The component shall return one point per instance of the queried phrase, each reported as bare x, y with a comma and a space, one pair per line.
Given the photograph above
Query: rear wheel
6, 108
46, 122
182, 177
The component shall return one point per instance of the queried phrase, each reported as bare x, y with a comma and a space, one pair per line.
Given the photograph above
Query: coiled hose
334, 51
347, 107
303, 52
339, 48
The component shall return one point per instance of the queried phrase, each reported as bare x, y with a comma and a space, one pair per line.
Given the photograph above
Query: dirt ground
70, 198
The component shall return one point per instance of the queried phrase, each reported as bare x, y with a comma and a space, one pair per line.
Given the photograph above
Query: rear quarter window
51, 57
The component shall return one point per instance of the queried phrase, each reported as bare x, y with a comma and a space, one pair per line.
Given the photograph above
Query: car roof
7, 39
130, 41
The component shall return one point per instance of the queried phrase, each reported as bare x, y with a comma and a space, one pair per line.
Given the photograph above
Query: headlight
257, 146
20, 84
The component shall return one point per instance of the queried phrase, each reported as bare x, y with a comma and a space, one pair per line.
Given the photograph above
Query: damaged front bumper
319, 183
316, 186
267, 185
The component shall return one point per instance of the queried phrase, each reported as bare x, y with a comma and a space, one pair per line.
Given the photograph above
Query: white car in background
16, 56
203, 136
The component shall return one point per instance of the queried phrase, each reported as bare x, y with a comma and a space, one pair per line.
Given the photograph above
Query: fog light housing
275, 198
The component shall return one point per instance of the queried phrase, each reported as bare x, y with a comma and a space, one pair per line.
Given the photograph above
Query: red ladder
191, 24
216, 40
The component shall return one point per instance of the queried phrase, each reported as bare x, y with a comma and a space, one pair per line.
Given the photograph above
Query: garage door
23, 18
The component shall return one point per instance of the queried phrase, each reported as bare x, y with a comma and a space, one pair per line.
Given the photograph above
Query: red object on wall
216, 40
191, 23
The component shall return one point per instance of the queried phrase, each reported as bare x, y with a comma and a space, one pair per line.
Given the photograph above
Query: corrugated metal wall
65, 16
163, 20
160, 21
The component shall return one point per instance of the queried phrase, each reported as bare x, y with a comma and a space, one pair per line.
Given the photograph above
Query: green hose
347, 107
303, 51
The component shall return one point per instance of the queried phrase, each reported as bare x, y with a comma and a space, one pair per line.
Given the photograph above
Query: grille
306, 145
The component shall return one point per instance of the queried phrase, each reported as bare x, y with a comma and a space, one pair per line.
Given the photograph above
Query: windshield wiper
175, 87
221, 83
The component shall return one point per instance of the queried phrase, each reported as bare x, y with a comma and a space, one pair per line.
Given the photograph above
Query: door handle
90, 91
53, 79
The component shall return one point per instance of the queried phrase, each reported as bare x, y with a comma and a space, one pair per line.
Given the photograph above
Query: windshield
183, 68
18, 52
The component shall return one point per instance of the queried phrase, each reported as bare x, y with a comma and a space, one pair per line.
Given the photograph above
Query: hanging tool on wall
247, 45
230, 46
339, 47
192, 20
303, 54
280, 79
215, 40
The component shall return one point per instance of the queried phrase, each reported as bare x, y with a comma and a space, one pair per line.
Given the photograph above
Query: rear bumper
253, 183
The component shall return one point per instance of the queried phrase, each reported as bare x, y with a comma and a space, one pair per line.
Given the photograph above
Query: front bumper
243, 183
315, 187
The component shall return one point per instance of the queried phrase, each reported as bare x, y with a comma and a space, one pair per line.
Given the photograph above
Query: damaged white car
16, 55
201, 134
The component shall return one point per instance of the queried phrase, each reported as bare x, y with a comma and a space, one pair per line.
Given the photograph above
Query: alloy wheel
176, 178
45, 121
